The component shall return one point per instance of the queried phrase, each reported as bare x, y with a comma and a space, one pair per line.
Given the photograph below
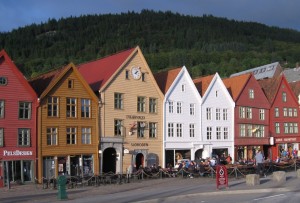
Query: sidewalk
237, 186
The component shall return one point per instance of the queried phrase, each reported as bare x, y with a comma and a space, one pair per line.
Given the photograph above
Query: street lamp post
101, 160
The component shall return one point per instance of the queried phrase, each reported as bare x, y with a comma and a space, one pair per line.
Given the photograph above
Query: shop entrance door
139, 160
109, 160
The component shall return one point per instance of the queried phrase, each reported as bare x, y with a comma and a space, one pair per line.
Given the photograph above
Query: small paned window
152, 105
24, 110
251, 93
208, 133
284, 96
179, 129
52, 103
71, 135
1, 108
143, 77
170, 129
70, 84
192, 130
1, 137
127, 74
71, 107
3, 80
118, 127
141, 129
141, 103
23, 137
85, 108
86, 134
51, 136
152, 130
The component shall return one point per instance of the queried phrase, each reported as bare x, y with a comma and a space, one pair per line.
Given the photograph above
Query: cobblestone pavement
36, 193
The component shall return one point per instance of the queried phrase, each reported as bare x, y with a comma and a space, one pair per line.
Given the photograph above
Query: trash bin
62, 193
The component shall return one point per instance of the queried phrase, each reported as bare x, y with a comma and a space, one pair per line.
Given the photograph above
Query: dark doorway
198, 155
109, 160
139, 160
169, 157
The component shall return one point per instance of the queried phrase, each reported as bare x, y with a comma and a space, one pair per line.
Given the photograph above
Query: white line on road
268, 197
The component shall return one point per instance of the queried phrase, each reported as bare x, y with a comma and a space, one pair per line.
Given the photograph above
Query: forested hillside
204, 44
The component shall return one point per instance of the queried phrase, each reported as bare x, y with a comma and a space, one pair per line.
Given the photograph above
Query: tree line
205, 44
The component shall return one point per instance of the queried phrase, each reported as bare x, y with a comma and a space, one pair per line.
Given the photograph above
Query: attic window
127, 74
70, 84
3, 80
183, 88
143, 77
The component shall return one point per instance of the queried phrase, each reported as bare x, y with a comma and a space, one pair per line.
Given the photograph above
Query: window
24, 110
286, 128
291, 128
284, 96
261, 114
143, 77
183, 88
170, 130
261, 131
152, 130
249, 130
179, 107
3, 81
179, 129
192, 130
71, 135
1, 108
295, 112
141, 104
192, 109
85, 108
171, 109
71, 107
216, 93
251, 93
285, 113
23, 137
242, 130
141, 129
276, 112
51, 136
118, 101
208, 132
225, 114
86, 135
277, 128
249, 112
70, 84
118, 126
296, 128
290, 112
127, 74
52, 105
152, 105
242, 112
208, 114
1, 137
218, 133
218, 114
225, 133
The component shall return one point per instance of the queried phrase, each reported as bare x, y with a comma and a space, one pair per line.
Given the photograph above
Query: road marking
268, 197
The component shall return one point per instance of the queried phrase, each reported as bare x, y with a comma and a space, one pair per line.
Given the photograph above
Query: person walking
259, 163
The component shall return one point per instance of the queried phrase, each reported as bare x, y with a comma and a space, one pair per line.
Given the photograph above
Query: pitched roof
270, 87
165, 79
236, 84
295, 86
41, 82
98, 72
261, 72
202, 83
292, 74
17, 72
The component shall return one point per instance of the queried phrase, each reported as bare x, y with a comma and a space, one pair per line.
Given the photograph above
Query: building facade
18, 105
130, 112
68, 133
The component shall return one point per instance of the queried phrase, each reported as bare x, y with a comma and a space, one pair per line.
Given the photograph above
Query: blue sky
280, 13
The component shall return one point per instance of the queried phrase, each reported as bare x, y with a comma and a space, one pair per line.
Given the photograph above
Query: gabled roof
295, 86
45, 83
202, 83
270, 87
98, 72
261, 72
165, 79
236, 84
4, 56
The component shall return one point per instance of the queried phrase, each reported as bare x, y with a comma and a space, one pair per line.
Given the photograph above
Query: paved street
162, 190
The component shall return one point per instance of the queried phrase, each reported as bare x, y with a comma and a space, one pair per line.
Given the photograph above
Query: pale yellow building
130, 110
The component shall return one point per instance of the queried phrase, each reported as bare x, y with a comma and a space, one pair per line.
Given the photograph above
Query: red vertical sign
221, 176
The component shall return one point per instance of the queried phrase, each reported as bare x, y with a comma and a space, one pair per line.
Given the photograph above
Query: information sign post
221, 176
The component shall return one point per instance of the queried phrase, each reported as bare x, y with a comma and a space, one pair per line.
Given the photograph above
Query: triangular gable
18, 73
165, 79
216, 78
97, 73
235, 85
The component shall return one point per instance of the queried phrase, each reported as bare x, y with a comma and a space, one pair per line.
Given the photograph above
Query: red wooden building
18, 104
251, 116
284, 115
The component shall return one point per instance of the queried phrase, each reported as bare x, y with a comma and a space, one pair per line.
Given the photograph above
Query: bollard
62, 193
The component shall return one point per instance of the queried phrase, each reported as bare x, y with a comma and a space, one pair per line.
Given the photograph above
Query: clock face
136, 72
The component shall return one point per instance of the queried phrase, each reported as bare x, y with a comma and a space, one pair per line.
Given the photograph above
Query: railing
233, 170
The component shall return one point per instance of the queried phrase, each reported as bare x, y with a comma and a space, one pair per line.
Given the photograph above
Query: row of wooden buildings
110, 113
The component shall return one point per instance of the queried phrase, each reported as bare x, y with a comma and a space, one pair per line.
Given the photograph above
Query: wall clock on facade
136, 72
